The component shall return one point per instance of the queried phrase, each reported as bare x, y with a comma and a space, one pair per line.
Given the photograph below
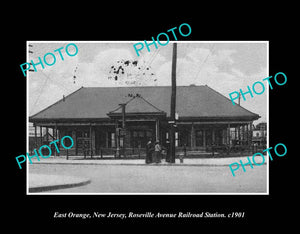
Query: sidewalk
186, 162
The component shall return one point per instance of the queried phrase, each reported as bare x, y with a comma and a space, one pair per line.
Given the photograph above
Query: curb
57, 186
135, 164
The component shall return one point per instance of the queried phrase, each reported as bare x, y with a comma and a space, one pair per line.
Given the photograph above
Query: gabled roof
191, 101
137, 105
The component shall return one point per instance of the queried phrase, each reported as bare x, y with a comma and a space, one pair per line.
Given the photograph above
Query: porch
195, 139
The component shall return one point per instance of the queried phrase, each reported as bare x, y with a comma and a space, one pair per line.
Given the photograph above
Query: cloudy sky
224, 66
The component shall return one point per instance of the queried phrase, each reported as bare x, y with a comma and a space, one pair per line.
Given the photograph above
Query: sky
223, 66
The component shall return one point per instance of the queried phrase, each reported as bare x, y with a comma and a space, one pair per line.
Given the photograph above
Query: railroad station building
93, 117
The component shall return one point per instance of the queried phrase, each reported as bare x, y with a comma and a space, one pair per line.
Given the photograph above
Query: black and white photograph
142, 118
183, 117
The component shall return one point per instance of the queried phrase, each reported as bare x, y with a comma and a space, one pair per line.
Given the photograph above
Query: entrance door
199, 138
219, 136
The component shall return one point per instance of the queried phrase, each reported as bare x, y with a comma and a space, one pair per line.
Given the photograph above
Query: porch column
55, 135
243, 134
74, 136
157, 130
58, 137
117, 140
204, 137
192, 136
41, 136
35, 136
228, 132
106, 138
223, 136
247, 133
235, 134
47, 139
251, 132
91, 139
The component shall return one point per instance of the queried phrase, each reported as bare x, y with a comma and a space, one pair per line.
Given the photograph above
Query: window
176, 139
141, 134
113, 139
149, 134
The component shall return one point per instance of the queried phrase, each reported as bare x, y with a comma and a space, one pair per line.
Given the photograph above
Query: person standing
167, 151
85, 149
157, 150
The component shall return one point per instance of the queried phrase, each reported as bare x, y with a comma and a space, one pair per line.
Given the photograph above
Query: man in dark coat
167, 151
149, 150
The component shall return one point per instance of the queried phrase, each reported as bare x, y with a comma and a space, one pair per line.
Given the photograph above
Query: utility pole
173, 105
123, 106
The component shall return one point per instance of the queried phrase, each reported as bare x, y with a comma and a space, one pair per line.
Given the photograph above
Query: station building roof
192, 102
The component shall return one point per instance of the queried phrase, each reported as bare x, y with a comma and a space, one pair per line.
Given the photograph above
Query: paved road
159, 179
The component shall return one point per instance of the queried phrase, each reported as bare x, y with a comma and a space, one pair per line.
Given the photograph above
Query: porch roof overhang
217, 119
142, 116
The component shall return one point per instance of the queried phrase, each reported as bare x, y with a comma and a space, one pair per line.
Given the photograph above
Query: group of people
154, 151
